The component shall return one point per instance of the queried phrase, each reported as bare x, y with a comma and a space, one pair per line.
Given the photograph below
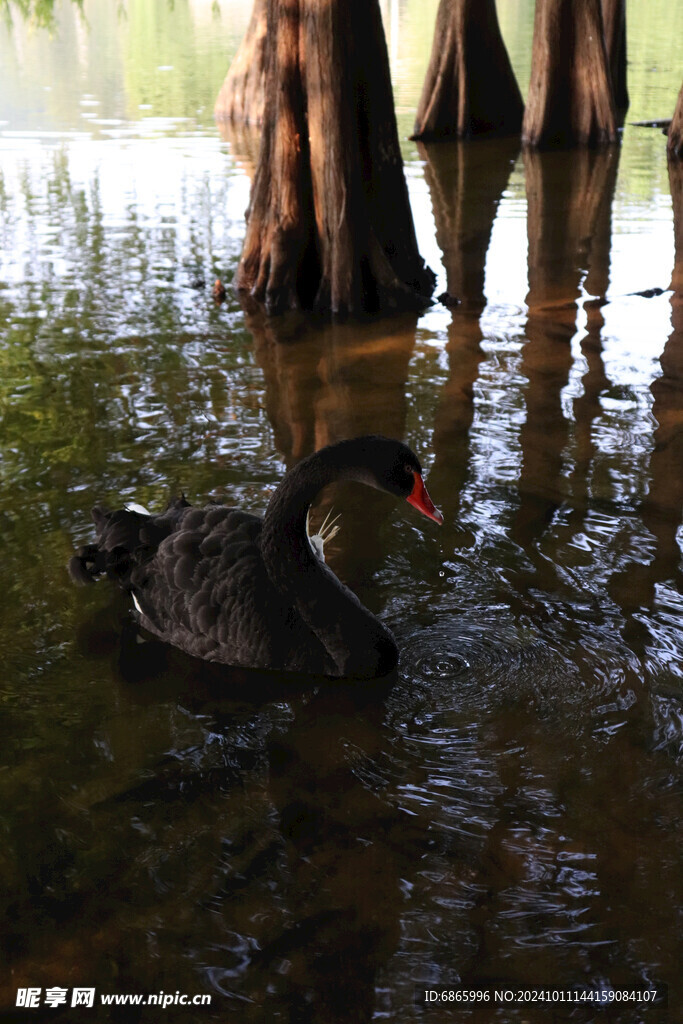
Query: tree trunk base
470, 87
329, 226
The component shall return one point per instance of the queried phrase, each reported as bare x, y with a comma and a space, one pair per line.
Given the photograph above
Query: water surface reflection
508, 807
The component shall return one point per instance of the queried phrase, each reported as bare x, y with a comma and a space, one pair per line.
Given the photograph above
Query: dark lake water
509, 811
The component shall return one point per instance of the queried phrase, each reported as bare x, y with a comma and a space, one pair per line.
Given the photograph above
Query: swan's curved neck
284, 540
357, 642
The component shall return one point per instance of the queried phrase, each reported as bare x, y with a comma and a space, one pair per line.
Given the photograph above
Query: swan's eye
409, 469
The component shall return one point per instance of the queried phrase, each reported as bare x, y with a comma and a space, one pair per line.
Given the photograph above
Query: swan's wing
205, 588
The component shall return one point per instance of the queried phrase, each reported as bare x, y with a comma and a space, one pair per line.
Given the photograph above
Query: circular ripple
444, 665
484, 660
459, 660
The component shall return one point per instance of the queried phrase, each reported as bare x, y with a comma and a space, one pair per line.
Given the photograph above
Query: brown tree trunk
675, 133
570, 98
614, 24
329, 225
242, 93
470, 87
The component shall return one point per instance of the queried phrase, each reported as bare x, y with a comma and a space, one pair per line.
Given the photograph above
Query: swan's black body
230, 587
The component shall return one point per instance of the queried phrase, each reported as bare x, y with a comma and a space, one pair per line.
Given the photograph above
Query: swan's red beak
421, 500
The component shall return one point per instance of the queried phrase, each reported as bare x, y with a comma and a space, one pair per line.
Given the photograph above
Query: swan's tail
87, 564
124, 538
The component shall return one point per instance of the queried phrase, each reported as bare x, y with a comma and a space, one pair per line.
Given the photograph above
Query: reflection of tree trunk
329, 225
340, 381
570, 94
568, 213
348, 850
244, 141
675, 141
322, 386
455, 413
614, 24
634, 586
466, 183
569, 230
242, 94
596, 258
665, 496
587, 407
470, 87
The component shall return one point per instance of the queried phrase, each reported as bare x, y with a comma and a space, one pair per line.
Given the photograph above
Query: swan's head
392, 466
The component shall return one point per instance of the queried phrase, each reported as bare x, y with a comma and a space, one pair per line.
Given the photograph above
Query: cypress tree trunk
614, 24
329, 225
570, 98
470, 87
675, 133
242, 93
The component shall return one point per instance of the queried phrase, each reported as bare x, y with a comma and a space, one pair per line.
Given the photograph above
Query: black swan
230, 587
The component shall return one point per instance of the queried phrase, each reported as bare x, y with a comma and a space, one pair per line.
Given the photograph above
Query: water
508, 812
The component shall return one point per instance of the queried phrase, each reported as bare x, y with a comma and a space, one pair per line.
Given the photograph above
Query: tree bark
329, 225
570, 98
675, 134
470, 87
241, 96
614, 25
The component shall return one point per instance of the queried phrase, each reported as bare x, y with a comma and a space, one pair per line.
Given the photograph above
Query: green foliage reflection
40, 13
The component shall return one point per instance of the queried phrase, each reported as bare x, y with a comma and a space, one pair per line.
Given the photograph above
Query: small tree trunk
329, 225
675, 133
242, 93
614, 24
470, 87
570, 94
